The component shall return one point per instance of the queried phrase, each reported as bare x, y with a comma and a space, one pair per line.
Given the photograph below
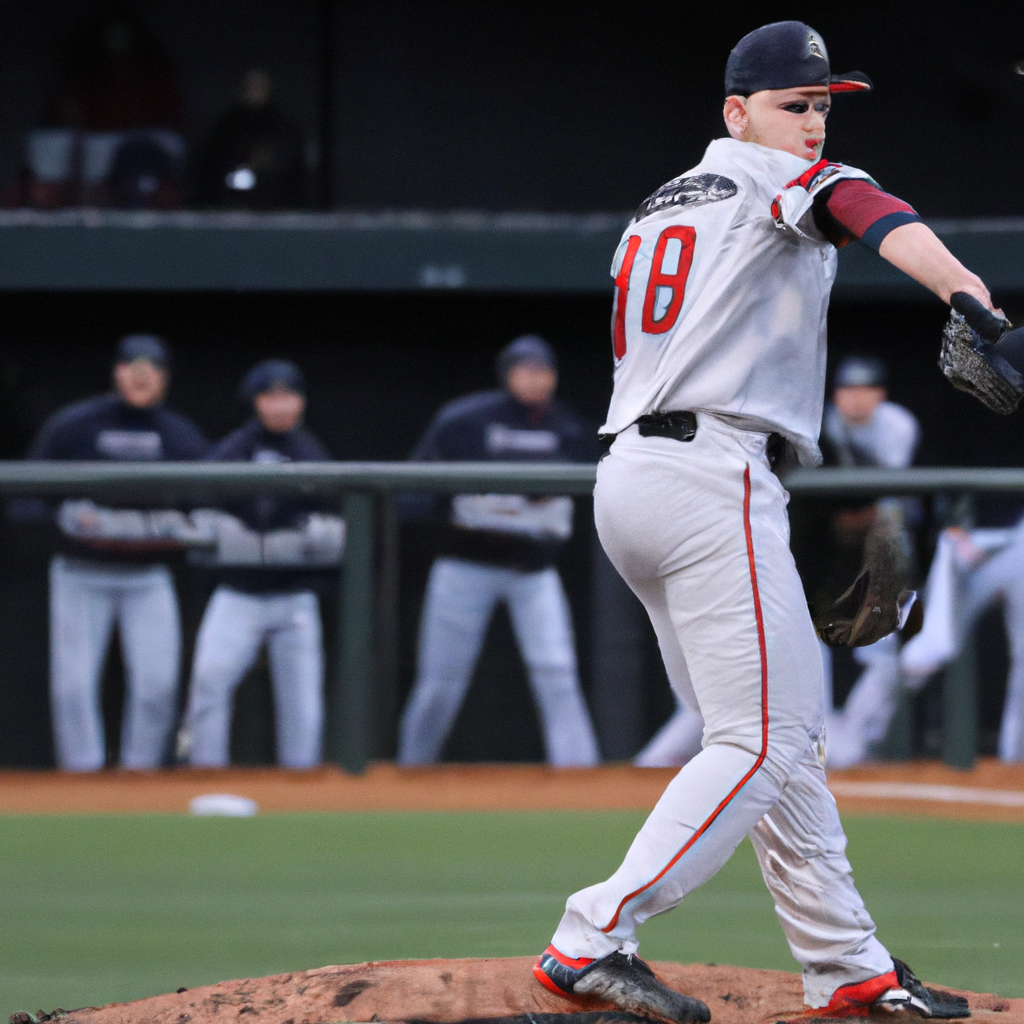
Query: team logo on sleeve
692, 191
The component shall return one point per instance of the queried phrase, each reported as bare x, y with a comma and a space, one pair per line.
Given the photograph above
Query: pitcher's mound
449, 991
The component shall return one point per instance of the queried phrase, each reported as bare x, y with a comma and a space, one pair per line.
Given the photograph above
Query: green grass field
100, 909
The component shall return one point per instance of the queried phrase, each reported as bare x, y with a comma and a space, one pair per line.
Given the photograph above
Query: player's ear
736, 117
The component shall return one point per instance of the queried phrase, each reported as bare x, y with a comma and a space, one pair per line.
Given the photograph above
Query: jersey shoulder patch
692, 190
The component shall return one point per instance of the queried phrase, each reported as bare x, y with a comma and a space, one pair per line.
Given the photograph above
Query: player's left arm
858, 208
916, 250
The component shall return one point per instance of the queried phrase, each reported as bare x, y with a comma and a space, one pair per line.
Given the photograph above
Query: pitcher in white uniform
722, 284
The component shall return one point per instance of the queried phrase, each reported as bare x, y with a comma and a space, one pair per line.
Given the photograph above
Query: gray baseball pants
459, 603
235, 627
86, 599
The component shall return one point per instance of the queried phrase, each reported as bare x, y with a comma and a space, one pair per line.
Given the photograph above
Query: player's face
857, 403
280, 409
140, 383
792, 120
531, 383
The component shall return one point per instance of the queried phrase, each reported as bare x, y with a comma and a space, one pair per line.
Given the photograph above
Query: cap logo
814, 48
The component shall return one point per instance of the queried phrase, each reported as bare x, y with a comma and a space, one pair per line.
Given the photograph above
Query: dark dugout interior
504, 106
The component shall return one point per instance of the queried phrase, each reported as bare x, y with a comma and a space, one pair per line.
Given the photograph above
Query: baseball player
722, 283
501, 547
971, 570
861, 427
111, 568
271, 551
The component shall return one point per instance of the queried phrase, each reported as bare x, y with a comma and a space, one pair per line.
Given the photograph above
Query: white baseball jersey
722, 286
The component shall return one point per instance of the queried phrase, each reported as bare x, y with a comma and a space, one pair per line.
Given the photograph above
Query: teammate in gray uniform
502, 547
272, 551
861, 427
111, 568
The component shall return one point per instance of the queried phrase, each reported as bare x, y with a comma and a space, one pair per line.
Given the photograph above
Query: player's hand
987, 322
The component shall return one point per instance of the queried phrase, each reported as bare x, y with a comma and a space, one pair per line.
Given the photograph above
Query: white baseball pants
458, 606
1003, 576
675, 742
699, 531
854, 731
86, 599
235, 627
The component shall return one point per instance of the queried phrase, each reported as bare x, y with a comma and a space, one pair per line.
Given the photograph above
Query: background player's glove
871, 608
975, 347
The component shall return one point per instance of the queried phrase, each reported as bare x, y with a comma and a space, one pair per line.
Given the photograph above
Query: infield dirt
446, 991
487, 787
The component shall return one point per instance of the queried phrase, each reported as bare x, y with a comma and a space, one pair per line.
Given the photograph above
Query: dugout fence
368, 584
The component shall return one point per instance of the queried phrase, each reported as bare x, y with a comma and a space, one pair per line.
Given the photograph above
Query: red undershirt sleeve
855, 208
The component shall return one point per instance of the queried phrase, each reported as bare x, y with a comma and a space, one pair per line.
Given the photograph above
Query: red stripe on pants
763, 650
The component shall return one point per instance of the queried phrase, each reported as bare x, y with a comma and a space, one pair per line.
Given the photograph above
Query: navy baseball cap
860, 371
527, 348
143, 346
269, 375
785, 55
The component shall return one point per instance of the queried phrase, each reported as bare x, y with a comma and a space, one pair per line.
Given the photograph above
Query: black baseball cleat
898, 989
625, 981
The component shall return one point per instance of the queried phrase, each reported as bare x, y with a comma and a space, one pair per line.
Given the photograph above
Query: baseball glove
871, 607
969, 358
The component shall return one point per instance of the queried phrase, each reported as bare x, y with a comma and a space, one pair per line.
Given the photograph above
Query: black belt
680, 426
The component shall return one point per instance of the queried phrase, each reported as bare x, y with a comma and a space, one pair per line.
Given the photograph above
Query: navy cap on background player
270, 375
143, 346
860, 371
527, 348
785, 55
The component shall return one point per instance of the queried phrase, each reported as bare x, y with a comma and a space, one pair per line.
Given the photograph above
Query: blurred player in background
861, 427
272, 550
971, 570
502, 547
111, 568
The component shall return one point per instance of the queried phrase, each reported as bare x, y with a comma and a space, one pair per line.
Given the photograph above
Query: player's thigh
150, 625
652, 595
82, 613
295, 642
699, 530
743, 623
230, 636
541, 618
457, 606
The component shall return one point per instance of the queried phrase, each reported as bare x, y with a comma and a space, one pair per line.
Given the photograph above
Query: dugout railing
364, 491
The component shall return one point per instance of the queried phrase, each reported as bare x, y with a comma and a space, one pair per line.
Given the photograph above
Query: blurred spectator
861, 427
111, 568
502, 547
272, 551
252, 158
111, 130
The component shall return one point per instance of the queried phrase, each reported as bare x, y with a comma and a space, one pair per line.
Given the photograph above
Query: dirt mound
407, 991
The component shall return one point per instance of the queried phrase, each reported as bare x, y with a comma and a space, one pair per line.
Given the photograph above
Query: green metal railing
359, 486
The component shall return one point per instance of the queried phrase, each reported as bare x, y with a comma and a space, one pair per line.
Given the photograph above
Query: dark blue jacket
109, 429
493, 426
264, 512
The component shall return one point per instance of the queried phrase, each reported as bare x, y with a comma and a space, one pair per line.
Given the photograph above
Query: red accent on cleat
856, 1000
568, 961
